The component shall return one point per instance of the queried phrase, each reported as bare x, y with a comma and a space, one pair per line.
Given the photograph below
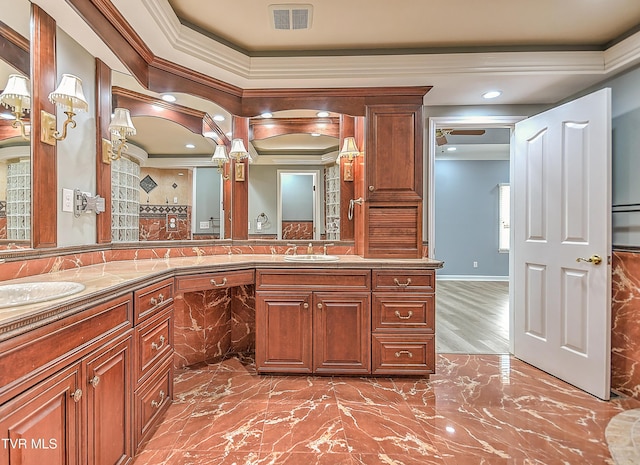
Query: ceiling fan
441, 134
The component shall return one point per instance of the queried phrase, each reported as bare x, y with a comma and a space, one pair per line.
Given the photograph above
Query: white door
561, 215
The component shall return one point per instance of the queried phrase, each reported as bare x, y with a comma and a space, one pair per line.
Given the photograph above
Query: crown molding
623, 54
250, 71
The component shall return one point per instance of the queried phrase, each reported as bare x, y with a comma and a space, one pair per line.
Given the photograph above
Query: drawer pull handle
213, 282
94, 381
404, 352
158, 346
399, 284
157, 301
76, 395
408, 317
157, 404
305, 305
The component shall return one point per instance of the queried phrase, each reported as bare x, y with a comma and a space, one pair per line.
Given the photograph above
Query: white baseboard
471, 277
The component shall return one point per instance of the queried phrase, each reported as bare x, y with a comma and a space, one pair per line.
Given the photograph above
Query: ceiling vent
291, 16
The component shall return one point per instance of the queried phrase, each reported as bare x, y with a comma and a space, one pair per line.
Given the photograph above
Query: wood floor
472, 317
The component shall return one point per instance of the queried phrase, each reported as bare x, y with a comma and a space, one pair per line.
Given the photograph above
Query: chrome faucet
324, 248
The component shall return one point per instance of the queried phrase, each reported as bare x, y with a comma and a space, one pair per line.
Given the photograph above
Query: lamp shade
121, 123
69, 95
220, 155
16, 93
237, 149
349, 148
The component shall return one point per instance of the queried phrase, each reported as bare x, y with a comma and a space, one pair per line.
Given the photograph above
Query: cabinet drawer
405, 311
317, 280
404, 280
154, 342
399, 354
218, 280
151, 399
152, 298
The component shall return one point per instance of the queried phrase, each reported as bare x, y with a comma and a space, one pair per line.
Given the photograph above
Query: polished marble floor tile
476, 409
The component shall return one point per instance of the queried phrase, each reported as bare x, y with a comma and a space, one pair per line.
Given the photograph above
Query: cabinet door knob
159, 345
305, 305
94, 381
76, 395
213, 281
371, 188
319, 305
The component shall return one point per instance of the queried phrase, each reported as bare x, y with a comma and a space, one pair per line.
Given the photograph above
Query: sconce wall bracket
48, 128
106, 151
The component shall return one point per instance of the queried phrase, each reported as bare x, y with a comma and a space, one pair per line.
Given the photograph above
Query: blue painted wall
466, 216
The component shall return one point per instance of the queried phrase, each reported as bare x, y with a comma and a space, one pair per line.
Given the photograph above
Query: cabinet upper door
109, 397
283, 332
394, 152
44, 424
342, 332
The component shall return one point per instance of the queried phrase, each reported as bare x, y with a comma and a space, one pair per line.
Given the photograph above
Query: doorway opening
298, 205
469, 167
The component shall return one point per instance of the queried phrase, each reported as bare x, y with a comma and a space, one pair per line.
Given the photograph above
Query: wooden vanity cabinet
403, 322
153, 365
71, 402
313, 321
393, 182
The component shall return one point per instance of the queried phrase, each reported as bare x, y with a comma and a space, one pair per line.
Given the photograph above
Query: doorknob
595, 259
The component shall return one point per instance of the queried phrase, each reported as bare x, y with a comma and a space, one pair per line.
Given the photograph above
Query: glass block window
125, 200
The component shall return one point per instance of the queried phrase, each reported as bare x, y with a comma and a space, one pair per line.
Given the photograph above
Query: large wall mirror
166, 186
15, 150
294, 180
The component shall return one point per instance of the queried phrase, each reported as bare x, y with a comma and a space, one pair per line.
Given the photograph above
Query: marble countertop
109, 278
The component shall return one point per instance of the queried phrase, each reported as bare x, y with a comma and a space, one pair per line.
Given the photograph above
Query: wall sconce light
349, 150
70, 98
16, 97
239, 152
120, 127
220, 157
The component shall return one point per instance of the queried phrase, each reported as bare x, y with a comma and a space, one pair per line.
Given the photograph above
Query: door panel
561, 202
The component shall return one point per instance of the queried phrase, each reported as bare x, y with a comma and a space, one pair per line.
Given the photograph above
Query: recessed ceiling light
168, 98
492, 94
451, 149
315, 134
218, 118
322, 114
190, 146
266, 114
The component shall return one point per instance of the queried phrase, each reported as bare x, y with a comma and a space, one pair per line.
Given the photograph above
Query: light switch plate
67, 200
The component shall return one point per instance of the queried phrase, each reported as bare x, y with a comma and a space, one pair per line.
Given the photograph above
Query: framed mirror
165, 186
294, 178
15, 148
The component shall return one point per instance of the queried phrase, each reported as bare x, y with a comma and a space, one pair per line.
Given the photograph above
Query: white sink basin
311, 258
14, 295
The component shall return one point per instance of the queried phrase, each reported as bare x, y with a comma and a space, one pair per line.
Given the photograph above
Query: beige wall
165, 178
